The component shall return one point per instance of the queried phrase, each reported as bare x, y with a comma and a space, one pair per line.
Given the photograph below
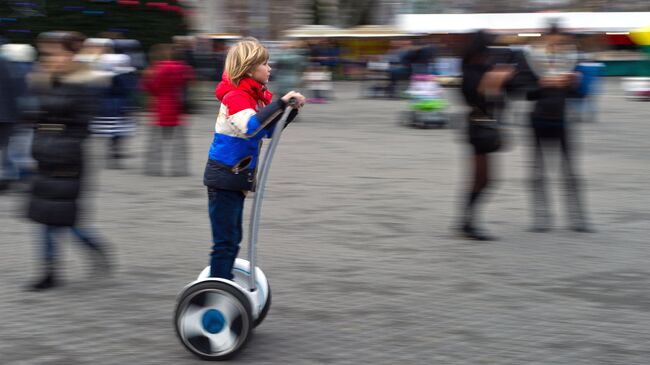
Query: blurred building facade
263, 19
269, 18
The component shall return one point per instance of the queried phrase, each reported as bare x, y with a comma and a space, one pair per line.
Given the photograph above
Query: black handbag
485, 133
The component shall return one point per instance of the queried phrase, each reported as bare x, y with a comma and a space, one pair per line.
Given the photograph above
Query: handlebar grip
292, 102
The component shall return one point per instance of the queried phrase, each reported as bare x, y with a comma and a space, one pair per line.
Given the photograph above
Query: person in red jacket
166, 81
246, 115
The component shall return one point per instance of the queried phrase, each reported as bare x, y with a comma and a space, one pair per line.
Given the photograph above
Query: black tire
265, 309
401, 120
413, 118
241, 324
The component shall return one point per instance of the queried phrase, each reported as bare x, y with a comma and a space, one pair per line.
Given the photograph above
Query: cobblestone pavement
358, 244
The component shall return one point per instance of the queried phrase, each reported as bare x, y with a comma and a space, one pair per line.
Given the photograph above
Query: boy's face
262, 73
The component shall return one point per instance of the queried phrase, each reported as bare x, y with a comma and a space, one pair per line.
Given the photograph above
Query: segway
214, 317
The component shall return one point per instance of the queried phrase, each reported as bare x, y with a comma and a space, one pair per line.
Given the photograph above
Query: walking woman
61, 88
483, 86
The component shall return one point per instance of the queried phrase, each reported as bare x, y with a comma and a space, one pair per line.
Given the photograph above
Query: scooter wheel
213, 320
265, 309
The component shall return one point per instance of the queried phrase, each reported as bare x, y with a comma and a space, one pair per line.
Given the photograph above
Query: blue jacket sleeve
262, 124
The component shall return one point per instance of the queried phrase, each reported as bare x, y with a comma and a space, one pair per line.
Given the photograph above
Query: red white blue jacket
246, 116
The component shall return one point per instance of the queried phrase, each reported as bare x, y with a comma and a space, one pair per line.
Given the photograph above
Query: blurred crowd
69, 87
53, 96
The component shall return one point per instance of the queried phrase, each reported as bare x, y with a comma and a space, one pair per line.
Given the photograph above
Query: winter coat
65, 106
167, 82
245, 117
8, 94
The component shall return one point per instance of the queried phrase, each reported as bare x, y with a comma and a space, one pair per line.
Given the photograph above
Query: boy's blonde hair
243, 58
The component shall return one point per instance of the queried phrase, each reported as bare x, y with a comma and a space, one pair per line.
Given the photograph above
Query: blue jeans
226, 209
49, 232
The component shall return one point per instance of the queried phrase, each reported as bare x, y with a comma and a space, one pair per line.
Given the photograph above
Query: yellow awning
641, 36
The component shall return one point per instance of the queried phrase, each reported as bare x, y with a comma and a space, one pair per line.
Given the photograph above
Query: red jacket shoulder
238, 100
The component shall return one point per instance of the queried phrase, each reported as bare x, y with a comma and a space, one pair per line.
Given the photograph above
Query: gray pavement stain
618, 289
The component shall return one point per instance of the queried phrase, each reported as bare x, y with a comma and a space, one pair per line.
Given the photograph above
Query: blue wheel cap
213, 321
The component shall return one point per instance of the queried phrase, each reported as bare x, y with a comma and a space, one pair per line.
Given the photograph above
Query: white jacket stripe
235, 125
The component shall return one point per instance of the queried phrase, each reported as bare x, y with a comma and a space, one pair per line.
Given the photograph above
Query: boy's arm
249, 124
271, 127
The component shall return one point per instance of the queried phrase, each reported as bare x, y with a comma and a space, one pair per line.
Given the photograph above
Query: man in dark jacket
553, 63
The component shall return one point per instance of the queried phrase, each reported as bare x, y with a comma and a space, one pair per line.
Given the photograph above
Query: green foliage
146, 24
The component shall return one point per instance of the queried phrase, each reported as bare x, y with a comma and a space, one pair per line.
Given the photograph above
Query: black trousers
548, 141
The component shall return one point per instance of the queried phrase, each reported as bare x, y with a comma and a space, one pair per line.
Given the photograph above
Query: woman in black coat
62, 89
483, 86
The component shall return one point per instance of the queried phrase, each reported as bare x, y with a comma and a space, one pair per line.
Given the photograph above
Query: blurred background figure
421, 58
323, 60
318, 82
184, 48
205, 65
219, 51
331, 56
288, 68
8, 117
92, 49
585, 107
63, 90
133, 49
209, 57
376, 77
166, 82
113, 117
18, 164
399, 68
553, 62
483, 89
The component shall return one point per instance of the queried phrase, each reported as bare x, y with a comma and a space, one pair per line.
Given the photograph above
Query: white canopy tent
313, 31
523, 22
374, 31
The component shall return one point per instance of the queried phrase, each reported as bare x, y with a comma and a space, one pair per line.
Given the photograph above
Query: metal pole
259, 195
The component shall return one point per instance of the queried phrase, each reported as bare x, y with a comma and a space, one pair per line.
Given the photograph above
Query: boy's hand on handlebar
300, 99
